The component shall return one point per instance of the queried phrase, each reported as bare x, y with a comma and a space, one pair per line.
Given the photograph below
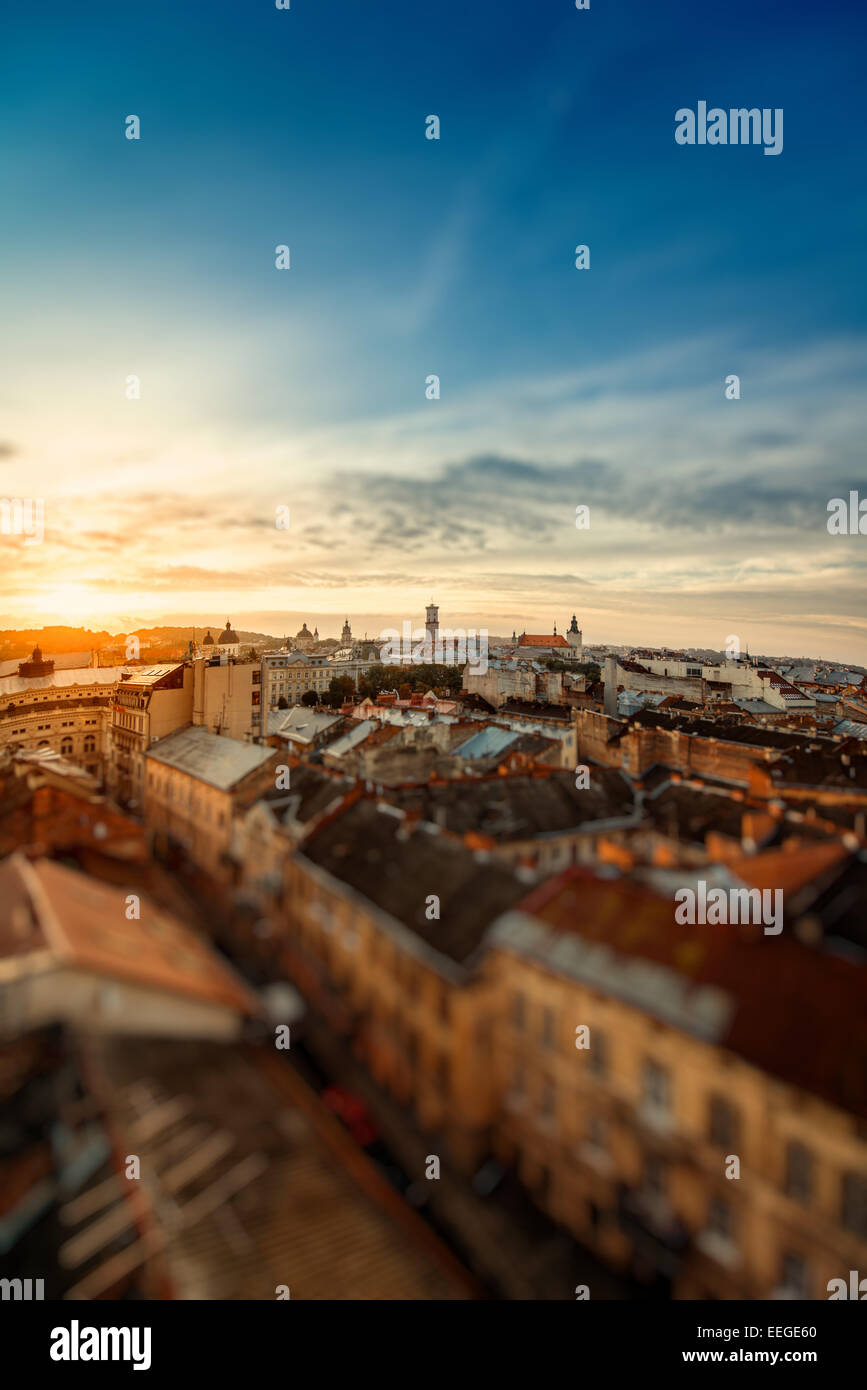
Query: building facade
195, 783
68, 711
290, 675
636, 1110
150, 703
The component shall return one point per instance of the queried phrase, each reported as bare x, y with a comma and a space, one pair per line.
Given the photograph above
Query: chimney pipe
610, 705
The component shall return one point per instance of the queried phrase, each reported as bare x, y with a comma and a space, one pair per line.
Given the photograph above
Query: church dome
37, 654
228, 637
304, 634
209, 641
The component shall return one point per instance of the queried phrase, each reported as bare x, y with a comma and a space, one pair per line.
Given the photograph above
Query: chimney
199, 690
610, 705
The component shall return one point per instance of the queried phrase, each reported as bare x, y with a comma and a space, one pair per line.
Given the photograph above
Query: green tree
342, 686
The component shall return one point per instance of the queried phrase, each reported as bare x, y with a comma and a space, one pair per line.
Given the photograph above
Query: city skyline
375, 627
305, 388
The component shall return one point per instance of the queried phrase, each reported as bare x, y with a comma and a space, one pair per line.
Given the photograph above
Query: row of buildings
474, 895
106, 717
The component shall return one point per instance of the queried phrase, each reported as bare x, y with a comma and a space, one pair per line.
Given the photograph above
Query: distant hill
158, 643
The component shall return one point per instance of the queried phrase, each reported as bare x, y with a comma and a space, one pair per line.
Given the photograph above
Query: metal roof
355, 736
487, 743
851, 728
302, 724
221, 762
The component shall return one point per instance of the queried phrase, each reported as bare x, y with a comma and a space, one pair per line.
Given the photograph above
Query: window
656, 1086
597, 1055
723, 1125
654, 1176
66, 745
719, 1218
548, 1029
855, 1204
519, 1012
89, 743
548, 1101
794, 1270
798, 1173
597, 1133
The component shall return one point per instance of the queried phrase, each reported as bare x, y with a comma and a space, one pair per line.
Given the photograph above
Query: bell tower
432, 624
574, 637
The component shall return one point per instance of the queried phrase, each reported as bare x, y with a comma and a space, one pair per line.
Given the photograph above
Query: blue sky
454, 257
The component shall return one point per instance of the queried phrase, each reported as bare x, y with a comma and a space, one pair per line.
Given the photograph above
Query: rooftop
263, 1186
488, 742
519, 807
59, 680
149, 675
301, 724
396, 865
212, 758
795, 1013
529, 639
52, 916
313, 791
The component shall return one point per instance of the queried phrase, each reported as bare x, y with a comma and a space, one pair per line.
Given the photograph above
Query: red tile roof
528, 639
798, 1012
74, 921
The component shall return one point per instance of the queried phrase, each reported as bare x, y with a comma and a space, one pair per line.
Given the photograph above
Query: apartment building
150, 703
726, 752
642, 1065
217, 693
195, 783
739, 680
290, 675
227, 697
383, 917
266, 832
504, 680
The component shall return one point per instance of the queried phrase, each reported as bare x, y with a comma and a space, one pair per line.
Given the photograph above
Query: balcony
654, 1228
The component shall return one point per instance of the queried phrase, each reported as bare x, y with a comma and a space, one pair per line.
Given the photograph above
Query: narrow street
514, 1249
